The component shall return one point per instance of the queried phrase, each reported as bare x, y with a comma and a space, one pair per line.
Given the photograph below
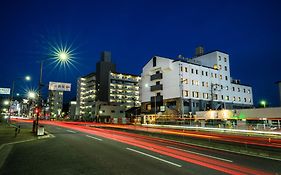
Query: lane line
226, 160
157, 158
71, 131
94, 137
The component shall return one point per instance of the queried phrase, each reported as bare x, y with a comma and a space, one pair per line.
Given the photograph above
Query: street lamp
263, 103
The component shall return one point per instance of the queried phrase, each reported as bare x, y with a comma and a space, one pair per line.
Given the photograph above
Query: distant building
188, 85
106, 86
55, 103
72, 110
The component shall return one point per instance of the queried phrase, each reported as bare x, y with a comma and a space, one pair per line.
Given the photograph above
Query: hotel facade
186, 85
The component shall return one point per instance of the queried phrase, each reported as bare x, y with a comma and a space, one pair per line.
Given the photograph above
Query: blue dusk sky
135, 31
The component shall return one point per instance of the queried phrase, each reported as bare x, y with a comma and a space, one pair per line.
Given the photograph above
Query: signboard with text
5, 91
58, 86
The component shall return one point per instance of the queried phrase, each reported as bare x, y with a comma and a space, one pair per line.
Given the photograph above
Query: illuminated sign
5, 91
58, 86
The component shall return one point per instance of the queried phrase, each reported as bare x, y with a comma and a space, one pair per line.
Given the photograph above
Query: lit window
227, 97
215, 66
220, 76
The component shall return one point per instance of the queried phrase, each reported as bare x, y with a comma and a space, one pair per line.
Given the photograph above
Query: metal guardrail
17, 129
213, 129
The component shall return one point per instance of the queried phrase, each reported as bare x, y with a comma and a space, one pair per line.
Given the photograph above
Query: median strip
218, 158
157, 158
94, 137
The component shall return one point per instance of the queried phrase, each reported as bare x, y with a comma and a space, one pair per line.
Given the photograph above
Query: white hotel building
189, 85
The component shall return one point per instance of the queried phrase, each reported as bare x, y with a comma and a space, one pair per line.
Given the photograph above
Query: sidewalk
7, 134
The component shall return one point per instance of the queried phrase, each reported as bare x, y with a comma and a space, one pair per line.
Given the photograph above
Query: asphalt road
78, 150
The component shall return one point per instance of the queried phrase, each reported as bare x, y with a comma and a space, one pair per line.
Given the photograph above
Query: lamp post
63, 57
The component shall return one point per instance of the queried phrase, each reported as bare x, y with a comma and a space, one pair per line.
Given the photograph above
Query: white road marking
71, 131
94, 137
157, 158
226, 160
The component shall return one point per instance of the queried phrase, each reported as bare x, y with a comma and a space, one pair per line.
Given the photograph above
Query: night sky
135, 31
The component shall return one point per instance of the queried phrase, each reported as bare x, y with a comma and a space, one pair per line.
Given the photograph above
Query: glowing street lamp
263, 102
31, 95
6, 102
63, 56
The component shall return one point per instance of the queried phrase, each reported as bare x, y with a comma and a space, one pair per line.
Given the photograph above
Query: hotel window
234, 98
207, 85
154, 61
233, 88
203, 73
157, 82
192, 82
250, 100
245, 100
221, 87
186, 93
215, 75
206, 73
205, 95
185, 69
220, 76
239, 98
181, 68
192, 71
215, 96
212, 75
227, 97
244, 90
225, 60
248, 91
203, 83
219, 66
219, 58
225, 68
222, 97
195, 94
226, 87
196, 71
238, 89
226, 78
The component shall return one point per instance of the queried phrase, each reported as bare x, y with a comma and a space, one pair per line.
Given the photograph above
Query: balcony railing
157, 87
156, 76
